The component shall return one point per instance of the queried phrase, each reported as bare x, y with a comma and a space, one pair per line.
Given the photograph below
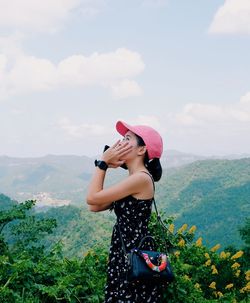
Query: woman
131, 199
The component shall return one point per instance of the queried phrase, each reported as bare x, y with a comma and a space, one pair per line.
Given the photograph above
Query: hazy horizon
165, 151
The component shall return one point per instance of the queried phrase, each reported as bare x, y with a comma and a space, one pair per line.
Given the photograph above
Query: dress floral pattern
133, 216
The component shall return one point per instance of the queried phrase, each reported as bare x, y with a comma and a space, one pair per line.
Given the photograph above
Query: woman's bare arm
102, 199
112, 158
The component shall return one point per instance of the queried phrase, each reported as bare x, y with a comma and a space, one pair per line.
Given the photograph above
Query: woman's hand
114, 153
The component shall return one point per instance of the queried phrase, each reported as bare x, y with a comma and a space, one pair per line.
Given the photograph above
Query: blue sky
70, 69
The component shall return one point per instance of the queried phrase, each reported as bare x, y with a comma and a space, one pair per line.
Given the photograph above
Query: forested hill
212, 194
62, 179
6, 203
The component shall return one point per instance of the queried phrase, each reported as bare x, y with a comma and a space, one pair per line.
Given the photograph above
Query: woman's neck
135, 166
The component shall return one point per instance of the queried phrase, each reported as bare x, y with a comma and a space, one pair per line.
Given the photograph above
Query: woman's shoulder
139, 177
144, 176
142, 173
146, 186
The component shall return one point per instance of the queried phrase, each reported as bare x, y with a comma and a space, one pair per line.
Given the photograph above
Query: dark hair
153, 165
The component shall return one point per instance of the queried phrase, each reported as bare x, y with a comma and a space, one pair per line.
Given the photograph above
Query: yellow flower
171, 228
177, 254
85, 254
247, 273
197, 286
228, 254
237, 255
207, 256
237, 274
199, 242
216, 247
215, 294
246, 288
229, 286
182, 229
212, 285
242, 290
235, 265
220, 294
208, 262
192, 229
181, 243
214, 270
186, 277
223, 255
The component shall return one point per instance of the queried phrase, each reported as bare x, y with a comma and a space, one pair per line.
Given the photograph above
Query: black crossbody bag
147, 265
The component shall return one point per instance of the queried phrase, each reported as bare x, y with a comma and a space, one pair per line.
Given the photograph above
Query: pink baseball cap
150, 136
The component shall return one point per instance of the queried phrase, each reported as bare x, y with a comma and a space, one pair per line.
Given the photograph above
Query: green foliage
78, 229
201, 274
17, 212
6, 202
52, 278
29, 273
245, 232
31, 230
34, 274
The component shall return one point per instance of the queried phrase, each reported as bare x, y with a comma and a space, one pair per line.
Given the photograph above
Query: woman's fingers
124, 150
116, 164
113, 155
120, 146
116, 144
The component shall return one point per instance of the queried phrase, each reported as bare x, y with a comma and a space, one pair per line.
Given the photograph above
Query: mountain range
213, 194
62, 180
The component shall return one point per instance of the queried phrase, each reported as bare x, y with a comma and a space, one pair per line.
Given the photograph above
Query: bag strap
160, 222
144, 238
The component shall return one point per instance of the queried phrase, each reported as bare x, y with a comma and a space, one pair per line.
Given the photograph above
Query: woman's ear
142, 150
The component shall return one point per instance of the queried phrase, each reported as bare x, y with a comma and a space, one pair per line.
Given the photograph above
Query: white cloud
152, 121
82, 130
11, 44
30, 74
86, 130
101, 68
232, 17
198, 128
21, 73
212, 116
43, 16
210, 129
125, 89
245, 100
91, 8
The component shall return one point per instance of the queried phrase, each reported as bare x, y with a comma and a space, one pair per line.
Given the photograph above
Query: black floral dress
133, 216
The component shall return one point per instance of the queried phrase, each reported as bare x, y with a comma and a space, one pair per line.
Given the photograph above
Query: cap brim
123, 127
